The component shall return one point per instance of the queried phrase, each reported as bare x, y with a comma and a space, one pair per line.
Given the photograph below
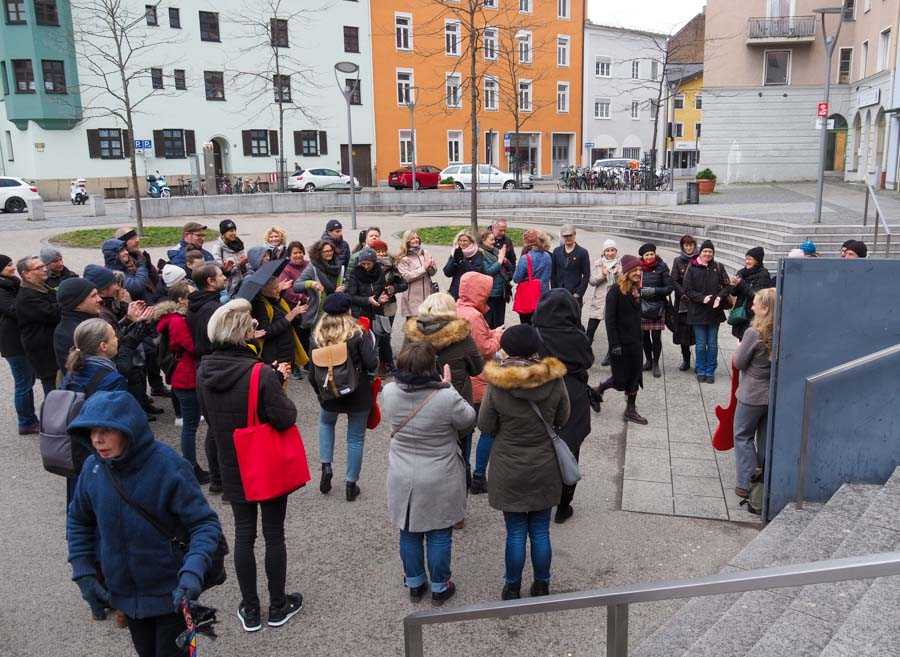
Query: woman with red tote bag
532, 276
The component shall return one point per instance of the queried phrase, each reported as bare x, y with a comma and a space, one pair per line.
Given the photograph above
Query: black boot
479, 485
656, 372
605, 362
648, 364
685, 358
595, 398
352, 491
631, 413
325, 481
540, 588
511, 591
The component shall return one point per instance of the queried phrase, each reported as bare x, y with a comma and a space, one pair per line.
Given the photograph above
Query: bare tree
116, 49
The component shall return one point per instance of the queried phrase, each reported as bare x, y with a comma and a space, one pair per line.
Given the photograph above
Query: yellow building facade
685, 122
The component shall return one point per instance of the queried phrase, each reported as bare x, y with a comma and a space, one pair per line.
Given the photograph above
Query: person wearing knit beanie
380, 246
336, 304
5, 261
646, 248
100, 276
172, 274
809, 249
749, 280
520, 341
57, 271
73, 291
367, 255
757, 253
49, 254
629, 262
856, 249
707, 244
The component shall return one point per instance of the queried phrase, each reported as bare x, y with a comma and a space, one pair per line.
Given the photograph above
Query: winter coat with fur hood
474, 290
453, 343
523, 474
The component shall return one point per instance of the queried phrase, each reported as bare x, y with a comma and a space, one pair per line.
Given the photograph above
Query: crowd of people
201, 320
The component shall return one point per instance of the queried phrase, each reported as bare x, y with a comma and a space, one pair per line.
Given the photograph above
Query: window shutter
190, 143
126, 143
159, 148
323, 143
298, 145
245, 135
93, 137
273, 142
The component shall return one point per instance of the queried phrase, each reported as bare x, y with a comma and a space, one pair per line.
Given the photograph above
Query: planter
707, 186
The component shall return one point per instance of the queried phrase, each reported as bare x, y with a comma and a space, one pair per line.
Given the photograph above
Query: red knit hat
630, 262
379, 245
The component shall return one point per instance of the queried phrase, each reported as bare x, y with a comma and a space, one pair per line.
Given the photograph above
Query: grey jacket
426, 479
752, 359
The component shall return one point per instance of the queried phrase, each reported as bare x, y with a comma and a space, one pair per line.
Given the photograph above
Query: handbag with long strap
568, 466
528, 292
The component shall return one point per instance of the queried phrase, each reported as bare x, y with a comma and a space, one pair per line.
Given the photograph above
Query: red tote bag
272, 463
528, 292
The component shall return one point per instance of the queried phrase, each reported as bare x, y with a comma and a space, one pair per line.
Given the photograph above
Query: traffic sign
143, 144
588, 144
822, 110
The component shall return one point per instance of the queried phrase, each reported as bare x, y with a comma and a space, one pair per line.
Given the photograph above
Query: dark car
427, 177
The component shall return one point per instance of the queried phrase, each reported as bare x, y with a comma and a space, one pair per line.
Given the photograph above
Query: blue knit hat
808, 247
101, 277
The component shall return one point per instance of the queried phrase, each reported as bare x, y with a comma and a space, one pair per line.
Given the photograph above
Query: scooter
78, 192
157, 186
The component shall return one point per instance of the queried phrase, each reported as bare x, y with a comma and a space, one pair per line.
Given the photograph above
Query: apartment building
207, 88
683, 101
764, 64
528, 56
622, 86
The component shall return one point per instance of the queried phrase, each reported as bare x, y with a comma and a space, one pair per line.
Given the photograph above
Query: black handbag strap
146, 515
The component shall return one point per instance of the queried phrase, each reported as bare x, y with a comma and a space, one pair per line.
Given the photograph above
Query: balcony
781, 30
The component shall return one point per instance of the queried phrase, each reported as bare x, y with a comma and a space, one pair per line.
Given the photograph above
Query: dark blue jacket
571, 271
135, 282
78, 381
139, 564
176, 255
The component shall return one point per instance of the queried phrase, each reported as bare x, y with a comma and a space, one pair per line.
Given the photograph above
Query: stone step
873, 627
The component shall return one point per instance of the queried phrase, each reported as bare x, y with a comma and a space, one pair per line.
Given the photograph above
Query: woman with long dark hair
656, 286
682, 332
323, 276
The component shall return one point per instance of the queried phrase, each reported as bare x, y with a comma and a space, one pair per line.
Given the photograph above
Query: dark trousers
385, 351
525, 318
652, 345
245, 514
155, 636
154, 376
496, 314
593, 325
568, 492
48, 383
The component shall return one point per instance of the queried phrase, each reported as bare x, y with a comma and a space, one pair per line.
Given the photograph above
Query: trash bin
693, 192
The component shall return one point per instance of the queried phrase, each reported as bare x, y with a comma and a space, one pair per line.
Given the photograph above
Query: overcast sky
664, 16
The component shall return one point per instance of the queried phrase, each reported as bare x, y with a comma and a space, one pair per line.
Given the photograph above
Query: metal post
412, 639
887, 248
617, 631
350, 161
804, 444
877, 221
830, 43
412, 135
866, 207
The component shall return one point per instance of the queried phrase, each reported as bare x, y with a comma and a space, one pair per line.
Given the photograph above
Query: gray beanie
367, 255
49, 254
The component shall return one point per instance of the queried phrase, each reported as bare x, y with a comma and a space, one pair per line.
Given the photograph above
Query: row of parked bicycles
616, 177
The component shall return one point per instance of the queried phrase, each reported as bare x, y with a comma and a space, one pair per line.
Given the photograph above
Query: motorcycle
157, 186
78, 192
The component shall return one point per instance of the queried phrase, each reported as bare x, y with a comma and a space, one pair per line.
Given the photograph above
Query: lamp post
411, 104
830, 43
349, 68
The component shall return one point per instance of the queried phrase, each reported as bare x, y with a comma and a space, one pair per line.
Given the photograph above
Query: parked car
427, 177
489, 177
616, 163
314, 179
15, 194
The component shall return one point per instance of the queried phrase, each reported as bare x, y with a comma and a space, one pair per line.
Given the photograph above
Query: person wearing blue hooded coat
144, 578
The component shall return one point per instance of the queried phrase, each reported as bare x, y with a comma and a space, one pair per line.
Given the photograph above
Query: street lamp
830, 42
411, 104
349, 68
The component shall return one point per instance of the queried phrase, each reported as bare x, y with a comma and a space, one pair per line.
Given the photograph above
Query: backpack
59, 453
334, 373
754, 502
166, 360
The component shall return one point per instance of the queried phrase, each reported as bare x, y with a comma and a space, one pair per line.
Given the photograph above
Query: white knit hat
171, 274
610, 244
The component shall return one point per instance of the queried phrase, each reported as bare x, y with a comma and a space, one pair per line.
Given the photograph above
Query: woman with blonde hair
753, 359
337, 331
275, 240
416, 266
466, 257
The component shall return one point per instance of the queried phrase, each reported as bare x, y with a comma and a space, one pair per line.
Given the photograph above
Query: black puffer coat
361, 285
752, 281
64, 334
10, 343
201, 306
223, 383
656, 286
623, 327
362, 352
38, 314
458, 264
702, 281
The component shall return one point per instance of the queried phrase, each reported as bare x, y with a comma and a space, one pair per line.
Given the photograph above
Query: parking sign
143, 144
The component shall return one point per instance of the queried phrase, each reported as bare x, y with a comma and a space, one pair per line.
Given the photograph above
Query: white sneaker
179, 421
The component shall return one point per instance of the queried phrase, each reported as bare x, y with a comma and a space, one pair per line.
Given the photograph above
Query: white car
312, 179
15, 194
615, 163
489, 177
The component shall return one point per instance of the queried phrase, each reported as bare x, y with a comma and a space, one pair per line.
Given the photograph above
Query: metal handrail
778, 27
617, 600
809, 387
879, 219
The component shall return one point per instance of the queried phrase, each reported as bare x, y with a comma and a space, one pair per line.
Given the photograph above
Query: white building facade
622, 71
209, 90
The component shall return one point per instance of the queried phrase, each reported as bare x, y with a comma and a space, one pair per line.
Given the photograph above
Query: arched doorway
837, 144
880, 131
857, 141
220, 156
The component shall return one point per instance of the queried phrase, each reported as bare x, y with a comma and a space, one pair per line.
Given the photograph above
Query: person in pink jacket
474, 291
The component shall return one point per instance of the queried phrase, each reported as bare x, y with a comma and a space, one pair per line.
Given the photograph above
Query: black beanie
757, 253
73, 291
225, 225
520, 341
4, 260
707, 244
859, 248
649, 246
337, 304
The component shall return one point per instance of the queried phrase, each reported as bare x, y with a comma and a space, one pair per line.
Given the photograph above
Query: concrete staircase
847, 619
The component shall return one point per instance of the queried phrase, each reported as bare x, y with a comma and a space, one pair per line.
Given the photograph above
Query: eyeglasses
39, 267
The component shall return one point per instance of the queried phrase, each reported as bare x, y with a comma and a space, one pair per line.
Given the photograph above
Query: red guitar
723, 438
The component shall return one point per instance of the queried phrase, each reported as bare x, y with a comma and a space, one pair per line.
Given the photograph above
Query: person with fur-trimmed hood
524, 481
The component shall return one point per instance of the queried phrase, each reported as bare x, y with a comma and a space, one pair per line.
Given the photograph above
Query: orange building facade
528, 62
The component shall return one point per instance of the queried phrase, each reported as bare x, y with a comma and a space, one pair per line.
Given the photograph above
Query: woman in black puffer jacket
707, 286
656, 286
747, 282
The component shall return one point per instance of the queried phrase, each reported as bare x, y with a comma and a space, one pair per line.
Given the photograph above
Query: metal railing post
887, 248
877, 221
412, 639
866, 207
617, 631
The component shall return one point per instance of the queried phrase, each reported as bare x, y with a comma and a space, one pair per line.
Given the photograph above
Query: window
601, 108
525, 95
156, 78
654, 109
282, 86
697, 127
845, 65
5, 80
490, 141
454, 146
849, 10
180, 83
562, 51
490, 94
603, 67
884, 49
562, 8
451, 38
525, 6
403, 31
45, 12
150, 15
175, 18
354, 86
278, 31
698, 102
864, 59
654, 69
490, 43
635, 69
351, 38
562, 97
490, 4
54, 76
214, 82
15, 11
524, 43
635, 110
778, 63
110, 144
173, 144
23, 74
678, 130
259, 142
209, 26
678, 102
404, 86
309, 142
406, 147
452, 85
631, 152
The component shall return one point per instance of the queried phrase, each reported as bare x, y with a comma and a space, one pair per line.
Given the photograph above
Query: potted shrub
707, 181
447, 183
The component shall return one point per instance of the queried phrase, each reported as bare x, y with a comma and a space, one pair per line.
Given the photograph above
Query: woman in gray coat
426, 473
523, 477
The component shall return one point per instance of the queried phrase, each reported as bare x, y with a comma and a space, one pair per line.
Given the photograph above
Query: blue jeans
356, 433
483, 453
520, 527
23, 398
707, 337
440, 546
190, 420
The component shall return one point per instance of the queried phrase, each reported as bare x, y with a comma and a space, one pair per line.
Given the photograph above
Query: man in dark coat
57, 271
38, 314
334, 234
570, 265
78, 301
12, 351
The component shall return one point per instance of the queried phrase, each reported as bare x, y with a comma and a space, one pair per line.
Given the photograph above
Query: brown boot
631, 413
